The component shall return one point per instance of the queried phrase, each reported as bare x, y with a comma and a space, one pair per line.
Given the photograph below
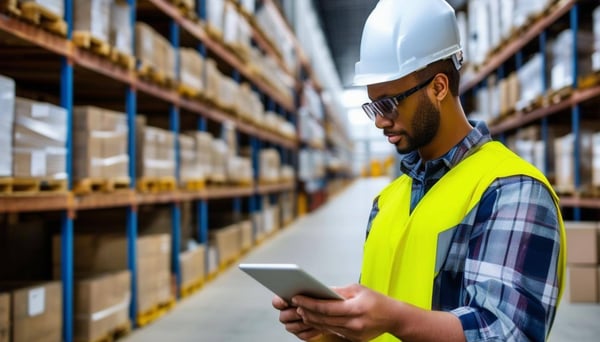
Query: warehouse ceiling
342, 22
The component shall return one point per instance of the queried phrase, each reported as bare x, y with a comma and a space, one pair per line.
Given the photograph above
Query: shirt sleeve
510, 279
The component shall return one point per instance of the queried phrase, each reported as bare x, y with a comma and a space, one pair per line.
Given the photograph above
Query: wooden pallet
149, 72
93, 185
41, 16
86, 40
123, 59
154, 313
156, 184
28, 186
589, 81
113, 335
559, 95
194, 184
192, 288
189, 92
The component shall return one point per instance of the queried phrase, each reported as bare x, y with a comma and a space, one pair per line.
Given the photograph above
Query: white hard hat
401, 37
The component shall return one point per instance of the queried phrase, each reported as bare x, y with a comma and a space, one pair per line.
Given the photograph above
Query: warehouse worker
468, 244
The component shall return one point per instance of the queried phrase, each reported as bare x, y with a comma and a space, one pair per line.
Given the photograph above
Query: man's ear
441, 86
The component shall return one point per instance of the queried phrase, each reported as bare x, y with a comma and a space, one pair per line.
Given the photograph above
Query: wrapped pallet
270, 165
144, 44
120, 28
191, 68
99, 144
36, 311
102, 305
219, 161
155, 151
203, 147
93, 17
187, 158
215, 12
39, 140
213, 79
7, 116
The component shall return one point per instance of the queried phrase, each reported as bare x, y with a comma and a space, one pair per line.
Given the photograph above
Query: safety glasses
386, 106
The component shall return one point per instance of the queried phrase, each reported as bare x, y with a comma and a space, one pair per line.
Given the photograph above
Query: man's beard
424, 126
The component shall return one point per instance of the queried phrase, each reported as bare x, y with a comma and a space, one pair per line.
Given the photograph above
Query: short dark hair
445, 67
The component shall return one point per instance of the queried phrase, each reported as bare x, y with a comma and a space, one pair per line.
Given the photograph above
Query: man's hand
364, 315
293, 322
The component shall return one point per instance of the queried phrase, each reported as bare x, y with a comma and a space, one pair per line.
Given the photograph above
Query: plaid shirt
499, 277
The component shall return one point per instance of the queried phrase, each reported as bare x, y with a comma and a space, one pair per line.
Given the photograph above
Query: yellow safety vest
400, 252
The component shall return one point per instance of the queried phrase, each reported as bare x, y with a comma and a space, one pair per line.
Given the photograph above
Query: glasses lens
383, 107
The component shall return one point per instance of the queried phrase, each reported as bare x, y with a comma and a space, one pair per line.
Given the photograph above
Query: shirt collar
411, 163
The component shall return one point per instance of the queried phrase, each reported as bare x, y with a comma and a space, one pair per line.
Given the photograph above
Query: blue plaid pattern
499, 277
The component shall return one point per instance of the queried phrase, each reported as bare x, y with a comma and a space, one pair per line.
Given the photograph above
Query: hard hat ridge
399, 40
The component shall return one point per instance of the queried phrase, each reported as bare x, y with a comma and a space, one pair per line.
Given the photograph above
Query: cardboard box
583, 243
36, 312
99, 254
7, 116
246, 234
92, 16
120, 32
101, 305
56, 7
4, 317
193, 266
227, 242
583, 284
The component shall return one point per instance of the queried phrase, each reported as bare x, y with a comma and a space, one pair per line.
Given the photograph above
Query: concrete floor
328, 244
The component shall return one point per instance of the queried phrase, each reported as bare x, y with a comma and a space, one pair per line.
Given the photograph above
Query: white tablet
288, 280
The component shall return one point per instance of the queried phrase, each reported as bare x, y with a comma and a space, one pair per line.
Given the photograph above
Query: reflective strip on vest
401, 249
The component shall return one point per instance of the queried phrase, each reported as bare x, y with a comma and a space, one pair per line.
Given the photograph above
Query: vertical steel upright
575, 110
132, 224
174, 123
237, 201
67, 233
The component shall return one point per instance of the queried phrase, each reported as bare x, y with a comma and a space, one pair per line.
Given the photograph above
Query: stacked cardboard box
596, 160
213, 79
155, 151
97, 254
227, 242
120, 28
583, 258
4, 317
239, 170
214, 22
288, 211
39, 138
102, 305
249, 106
203, 142
270, 165
7, 116
219, 157
187, 158
191, 66
596, 54
562, 57
35, 311
99, 144
246, 234
92, 16
192, 266
154, 50
565, 161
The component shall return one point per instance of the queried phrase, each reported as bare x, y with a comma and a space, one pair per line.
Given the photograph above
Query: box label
37, 301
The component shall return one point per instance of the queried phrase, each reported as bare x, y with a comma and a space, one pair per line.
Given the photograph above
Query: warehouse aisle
327, 243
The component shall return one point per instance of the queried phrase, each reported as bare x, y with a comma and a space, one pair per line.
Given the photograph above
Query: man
466, 245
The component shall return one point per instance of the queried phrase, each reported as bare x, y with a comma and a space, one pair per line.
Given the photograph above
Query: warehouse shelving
123, 89
551, 105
